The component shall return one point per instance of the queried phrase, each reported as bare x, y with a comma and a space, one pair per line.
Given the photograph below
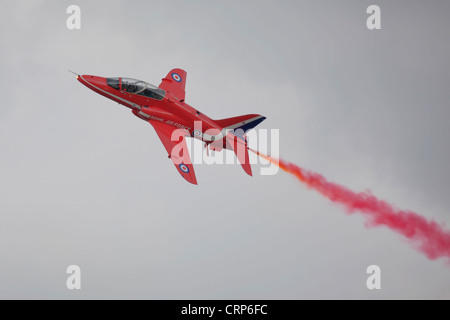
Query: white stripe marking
144, 115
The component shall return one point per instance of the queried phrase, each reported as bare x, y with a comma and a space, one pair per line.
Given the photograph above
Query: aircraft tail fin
244, 123
236, 138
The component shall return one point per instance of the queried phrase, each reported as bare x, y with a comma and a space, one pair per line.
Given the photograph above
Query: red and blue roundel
196, 133
184, 168
176, 77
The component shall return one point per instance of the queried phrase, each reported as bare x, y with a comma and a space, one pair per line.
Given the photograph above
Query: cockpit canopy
136, 87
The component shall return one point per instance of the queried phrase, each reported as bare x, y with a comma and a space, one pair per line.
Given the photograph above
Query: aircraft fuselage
169, 110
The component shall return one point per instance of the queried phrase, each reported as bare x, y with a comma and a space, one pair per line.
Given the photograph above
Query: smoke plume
427, 236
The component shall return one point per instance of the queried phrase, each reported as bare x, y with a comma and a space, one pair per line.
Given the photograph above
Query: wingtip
248, 170
194, 182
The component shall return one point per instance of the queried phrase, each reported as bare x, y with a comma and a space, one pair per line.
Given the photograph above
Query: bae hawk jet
164, 107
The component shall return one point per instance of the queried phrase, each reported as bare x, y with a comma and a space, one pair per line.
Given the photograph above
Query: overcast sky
83, 181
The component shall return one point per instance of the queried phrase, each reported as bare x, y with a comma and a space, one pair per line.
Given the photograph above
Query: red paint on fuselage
168, 110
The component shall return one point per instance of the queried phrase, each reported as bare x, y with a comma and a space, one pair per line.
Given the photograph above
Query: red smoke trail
428, 237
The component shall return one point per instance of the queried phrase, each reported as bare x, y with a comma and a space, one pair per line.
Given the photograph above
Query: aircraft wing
177, 150
175, 83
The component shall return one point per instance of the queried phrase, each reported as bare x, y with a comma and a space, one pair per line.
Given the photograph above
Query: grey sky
85, 182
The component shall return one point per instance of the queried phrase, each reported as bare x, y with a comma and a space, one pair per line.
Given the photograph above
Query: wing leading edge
177, 150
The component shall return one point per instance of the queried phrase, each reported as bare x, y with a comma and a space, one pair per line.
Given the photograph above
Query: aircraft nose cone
94, 79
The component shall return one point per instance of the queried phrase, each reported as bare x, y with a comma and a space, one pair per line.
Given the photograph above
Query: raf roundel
176, 77
184, 168
196, 133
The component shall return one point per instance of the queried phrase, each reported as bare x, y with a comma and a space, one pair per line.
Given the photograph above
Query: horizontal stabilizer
244, 123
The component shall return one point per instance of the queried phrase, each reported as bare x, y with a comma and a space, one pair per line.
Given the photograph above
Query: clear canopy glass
135, 86
142, 88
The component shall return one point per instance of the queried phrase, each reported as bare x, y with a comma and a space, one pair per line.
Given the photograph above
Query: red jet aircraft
164, 108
